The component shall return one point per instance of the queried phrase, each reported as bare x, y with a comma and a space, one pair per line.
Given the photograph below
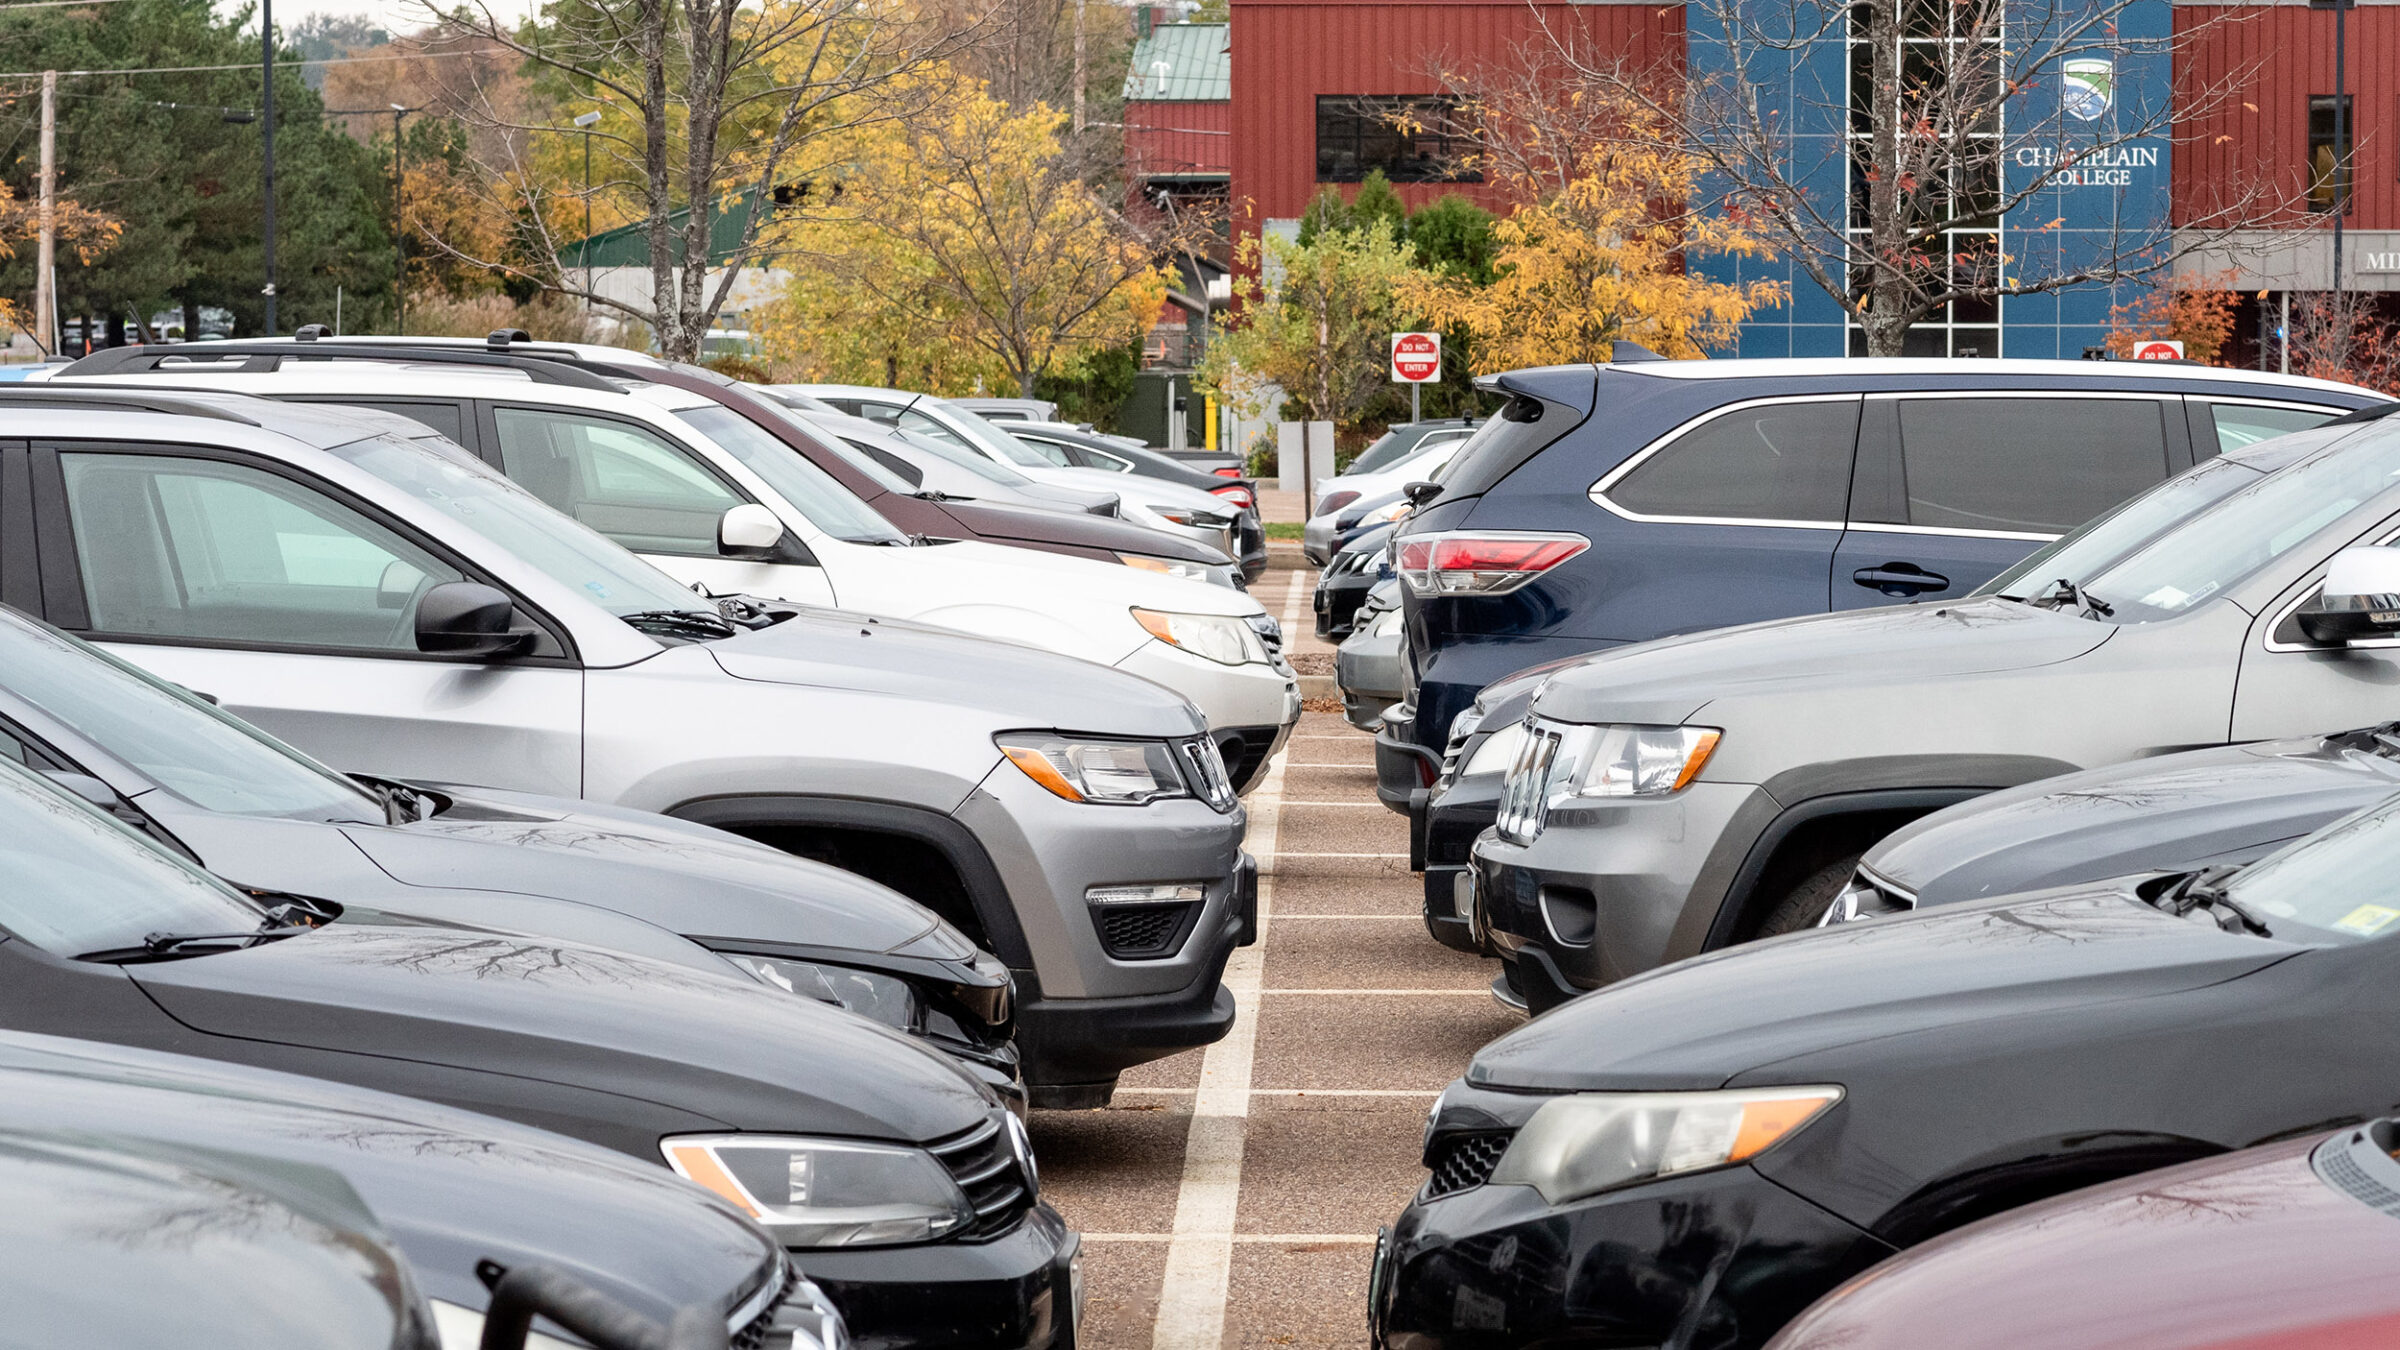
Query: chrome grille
1524, 799
993, 1164
1204, 766
1463, 1162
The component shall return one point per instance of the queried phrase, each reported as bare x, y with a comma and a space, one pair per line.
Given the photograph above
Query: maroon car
2287, 1246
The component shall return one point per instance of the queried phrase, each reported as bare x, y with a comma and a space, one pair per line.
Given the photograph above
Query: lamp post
266, 63
2341, 136
587, 121
399, 229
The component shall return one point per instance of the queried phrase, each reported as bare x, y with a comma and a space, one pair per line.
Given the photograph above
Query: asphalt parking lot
1230, 1196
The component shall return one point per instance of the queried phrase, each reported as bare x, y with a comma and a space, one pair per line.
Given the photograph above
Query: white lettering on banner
2100, 166
2379, 262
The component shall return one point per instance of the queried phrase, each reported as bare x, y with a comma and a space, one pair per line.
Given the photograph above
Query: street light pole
266, 63
2341, 134
399, 230
587, 121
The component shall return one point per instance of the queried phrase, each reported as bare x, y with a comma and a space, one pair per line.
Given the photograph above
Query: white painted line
1394, 918
1294, 1092
1193, 1292
1343, 1239
1479, 991
1368, 765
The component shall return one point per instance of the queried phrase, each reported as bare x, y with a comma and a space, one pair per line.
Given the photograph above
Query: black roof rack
561, 368
119, 400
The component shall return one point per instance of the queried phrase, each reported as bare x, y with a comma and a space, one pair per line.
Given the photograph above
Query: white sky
392, 15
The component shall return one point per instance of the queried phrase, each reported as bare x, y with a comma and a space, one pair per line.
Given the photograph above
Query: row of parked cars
2040, 714
504, 840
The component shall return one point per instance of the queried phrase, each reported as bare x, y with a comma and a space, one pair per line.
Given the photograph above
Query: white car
1342, 490
1187, 511
921, 463
715, 500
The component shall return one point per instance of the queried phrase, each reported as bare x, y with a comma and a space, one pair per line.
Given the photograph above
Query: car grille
753, 1334
1207, 772
1270, 633
1525, 799
1454, 754
1465, 1161
1144, 931
999, 1184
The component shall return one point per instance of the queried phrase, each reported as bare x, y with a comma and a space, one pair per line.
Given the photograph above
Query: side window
2026, 465
911, 420
2245, 424
442, 417
194, 548
1088, 458
1056, 454
618, 478
1780, 461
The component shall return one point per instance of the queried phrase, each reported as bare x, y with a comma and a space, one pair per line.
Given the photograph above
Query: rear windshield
1525, 428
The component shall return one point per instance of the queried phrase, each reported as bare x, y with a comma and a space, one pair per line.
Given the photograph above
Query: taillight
1238, 494
1493, 563
1228, 471
1335, 501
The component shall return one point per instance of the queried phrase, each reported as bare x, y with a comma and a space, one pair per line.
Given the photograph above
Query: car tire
1805, 903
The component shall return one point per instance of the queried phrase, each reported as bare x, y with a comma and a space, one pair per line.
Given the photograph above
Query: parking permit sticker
2367, 920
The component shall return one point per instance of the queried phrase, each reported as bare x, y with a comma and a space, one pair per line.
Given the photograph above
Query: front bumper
1367, 670
1316, 540
1252, 695
1018, 1290
1601, 892
1401, 765
1337, 599
1442, 831
1719, 1259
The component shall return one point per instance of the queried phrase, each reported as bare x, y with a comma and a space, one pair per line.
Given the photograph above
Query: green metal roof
629, 245
1181, 63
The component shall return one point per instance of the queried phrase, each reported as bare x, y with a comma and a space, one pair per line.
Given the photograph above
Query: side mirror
468, 618
752, 532
1420, 493
2360, 598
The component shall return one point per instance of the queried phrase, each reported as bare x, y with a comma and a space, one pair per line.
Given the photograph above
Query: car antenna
1621, 352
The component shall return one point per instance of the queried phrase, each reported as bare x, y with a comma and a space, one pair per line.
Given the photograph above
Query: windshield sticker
2166, 597
597, 588
2367, 920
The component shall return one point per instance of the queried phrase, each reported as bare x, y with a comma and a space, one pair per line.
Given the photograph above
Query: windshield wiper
402, 805
168, 946
2205, 889
937, 495
2063, 591
685, 622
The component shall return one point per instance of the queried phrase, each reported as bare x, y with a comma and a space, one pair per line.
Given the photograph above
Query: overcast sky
392, 15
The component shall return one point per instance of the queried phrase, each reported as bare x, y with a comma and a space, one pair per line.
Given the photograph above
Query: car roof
1950, 368
396, 378
582, 351
316, 425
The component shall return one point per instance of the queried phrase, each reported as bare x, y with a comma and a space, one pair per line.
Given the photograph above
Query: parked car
1403, 437
1363, 564
1361, 516
1318, 538
917, 1212
2282, 1245
1366, 667
1695, 1155
920, 464
1045, 531
448, 1190
711, 498
263, 816
1679, 795
1076, 448
1011, 409
1718, 493
1193, 513
419, 617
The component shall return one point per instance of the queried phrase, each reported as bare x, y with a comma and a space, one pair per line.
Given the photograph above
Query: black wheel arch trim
1792, 820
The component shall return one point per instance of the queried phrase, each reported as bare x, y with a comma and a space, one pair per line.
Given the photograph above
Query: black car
448, 1190
1090, 450
1647, 498
1692, 1155
264, 816
904, 1185
1343, 586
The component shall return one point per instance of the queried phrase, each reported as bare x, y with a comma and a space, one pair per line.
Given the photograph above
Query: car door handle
1899, 578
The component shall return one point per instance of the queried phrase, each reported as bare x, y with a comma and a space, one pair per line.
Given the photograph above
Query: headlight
1390, 512
1225, 639
871, 994
1194, 516
825, 1192
1189, 571
1498, 751
1583, 1145
1126, 773
1630, 761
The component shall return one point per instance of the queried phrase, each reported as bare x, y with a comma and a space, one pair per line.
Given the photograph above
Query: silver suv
1675, 796
363, 588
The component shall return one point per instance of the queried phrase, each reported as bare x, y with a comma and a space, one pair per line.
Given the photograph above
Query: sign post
1416, 362
2159, 350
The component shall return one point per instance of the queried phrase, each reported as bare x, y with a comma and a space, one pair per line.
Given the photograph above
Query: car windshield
812, 492
563, 549
74, 881
180, 742
855, 455
2258, 523
2344, 880
992, 438
1389, 449
965, 459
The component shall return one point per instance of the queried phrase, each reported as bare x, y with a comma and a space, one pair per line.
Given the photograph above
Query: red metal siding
1173, 138
2250, 70
1287, 52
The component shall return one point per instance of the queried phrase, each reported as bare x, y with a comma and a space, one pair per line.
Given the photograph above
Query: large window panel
1781, 461
1413, 138
620, 479
2026, 465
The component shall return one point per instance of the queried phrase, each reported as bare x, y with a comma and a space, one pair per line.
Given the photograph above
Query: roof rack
119, 400
267, 357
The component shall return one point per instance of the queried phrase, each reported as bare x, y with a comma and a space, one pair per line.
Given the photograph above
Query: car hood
1074, 529
1134, 488
717, 1048
451, 1188
2226, 804
1667, 680
1020, 686
1698, 1023
931, 581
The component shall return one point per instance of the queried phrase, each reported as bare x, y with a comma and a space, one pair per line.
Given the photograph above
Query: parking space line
1193, 1292
1479, 991
1400, 857
1345, 1239
1368, 765
1292, 1092
1393, 918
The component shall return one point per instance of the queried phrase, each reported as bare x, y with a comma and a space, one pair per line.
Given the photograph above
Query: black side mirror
2360, 598
1420, 493
468, 618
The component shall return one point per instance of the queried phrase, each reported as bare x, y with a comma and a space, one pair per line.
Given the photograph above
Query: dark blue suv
1646, 498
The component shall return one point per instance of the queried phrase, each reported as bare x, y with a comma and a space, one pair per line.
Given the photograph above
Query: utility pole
399, 230
587, 121
266, 63
45, 282
1078, 118
2341, 140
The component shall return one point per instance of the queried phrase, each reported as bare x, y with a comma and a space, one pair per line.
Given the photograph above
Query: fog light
1146, 895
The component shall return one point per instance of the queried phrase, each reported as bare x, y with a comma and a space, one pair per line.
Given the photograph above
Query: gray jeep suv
1676, 796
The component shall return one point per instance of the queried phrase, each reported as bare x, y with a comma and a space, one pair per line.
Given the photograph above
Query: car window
2105, 538
444, 417
1778, 461
1085, 457
622, 480
2026, 465
811, 491
1385, 452
2239, 425
74, 881
1049, 453
194, 548
909, 475
917, 423
2335, 882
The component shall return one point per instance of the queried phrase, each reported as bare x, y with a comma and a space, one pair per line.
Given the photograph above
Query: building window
2329, 152
1413, 138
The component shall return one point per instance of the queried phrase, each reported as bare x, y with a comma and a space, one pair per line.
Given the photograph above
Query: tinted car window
442, 417
1780, 461
2026, 465
2246, 424
194, 548
617, 478
74, 881
815, 493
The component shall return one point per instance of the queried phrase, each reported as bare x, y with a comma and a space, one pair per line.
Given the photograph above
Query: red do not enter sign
1416, 357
